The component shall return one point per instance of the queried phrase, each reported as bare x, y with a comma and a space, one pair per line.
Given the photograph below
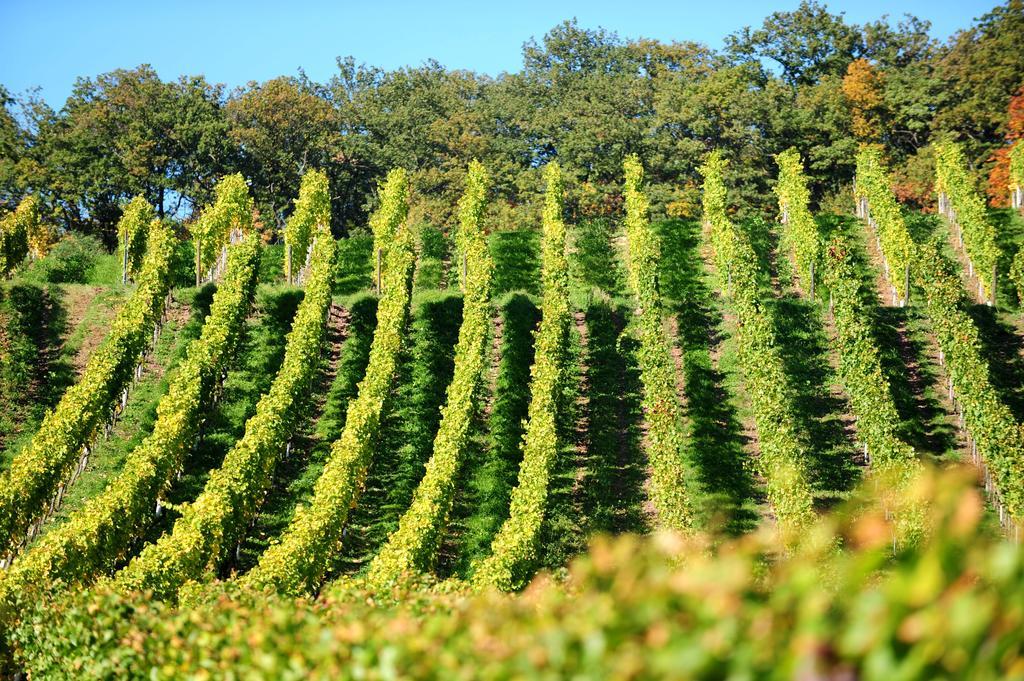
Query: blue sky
49, 44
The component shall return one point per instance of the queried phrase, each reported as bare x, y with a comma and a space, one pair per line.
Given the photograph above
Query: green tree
282, 128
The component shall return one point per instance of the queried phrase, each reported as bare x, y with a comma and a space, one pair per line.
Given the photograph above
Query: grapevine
131, 232
24, 232
965, 209
657, 370
209, 526
884, 216
312, 209
996, 436
783, 459
98, 537
799, 226
231, 212
39, 471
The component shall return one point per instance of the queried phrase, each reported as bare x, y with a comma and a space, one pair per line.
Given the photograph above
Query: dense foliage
514, 549
966, 210
998, 437
799, 227
231, 210
413, 544
950, 607
657, 369
886, 218
37, 473
24, 231
995, 433
805, 75
131, 234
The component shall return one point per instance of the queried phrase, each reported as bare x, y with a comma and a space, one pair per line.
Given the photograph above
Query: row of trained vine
783, 460
297, 563
800, 229
23, 232
312, 209
212, 525
965, 208
877, 205
514, 548
1017, 202
892, 460
132, 229
38, 472
996, 437
97, 537
860, 366
230, 213
657, 369
414, 543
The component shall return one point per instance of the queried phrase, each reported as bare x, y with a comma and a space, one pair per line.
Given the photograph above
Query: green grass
434, 251
33, 374
58, 341
615, 466
492, 468
516, 262
354, 266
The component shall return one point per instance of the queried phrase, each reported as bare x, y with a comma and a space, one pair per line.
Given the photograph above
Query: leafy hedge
312, 210
514, 549
657, 369
783, 460
800, 229
966, 208
131, 233
97, 537
389, 217
491, 482
1017, 275
894, 240
210, 526
37, 472
1017, 165
860, 367
413, 544
950, 607
297, 563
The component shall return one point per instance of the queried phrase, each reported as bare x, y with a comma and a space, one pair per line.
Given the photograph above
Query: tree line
587, 97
